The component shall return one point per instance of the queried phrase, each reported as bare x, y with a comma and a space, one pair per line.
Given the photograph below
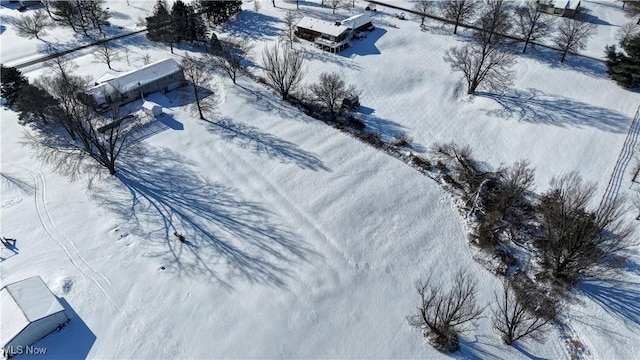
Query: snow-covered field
301, 241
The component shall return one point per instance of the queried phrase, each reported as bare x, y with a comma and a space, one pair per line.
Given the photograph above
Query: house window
558, 10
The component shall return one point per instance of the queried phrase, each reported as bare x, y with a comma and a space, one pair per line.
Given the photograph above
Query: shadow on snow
261, 143
227, 237
618, 297
536, 107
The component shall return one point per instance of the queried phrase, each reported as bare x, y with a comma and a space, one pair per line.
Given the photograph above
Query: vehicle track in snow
69, 247
626, 154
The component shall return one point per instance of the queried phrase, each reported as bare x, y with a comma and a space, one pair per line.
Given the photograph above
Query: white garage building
28, 312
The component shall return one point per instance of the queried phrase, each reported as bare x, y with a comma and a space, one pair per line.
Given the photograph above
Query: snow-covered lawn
301, 241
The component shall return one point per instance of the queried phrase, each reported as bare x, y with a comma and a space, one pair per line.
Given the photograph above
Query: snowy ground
301, 241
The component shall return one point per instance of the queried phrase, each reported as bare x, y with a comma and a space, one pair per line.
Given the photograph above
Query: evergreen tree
624, 66
180, 18
12, 84
219, 12
160, 25
196, 29
34, 104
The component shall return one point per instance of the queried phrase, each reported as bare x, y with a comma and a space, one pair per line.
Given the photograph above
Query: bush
402, 141
421, 162
444, 314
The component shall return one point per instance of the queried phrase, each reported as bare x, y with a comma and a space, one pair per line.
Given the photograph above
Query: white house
29, 312
164, 75
564, 8
334, 36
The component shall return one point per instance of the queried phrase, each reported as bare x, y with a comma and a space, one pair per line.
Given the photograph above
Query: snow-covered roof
136, 78
566, 4
149, 105
24, 302
321, 26
356, 21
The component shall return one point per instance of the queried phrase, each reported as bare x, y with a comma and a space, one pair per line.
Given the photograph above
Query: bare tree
484, 61
334, 4
445, 314
31, 26
514, 319
424, 7
458, 11
575, 240
289, 32
531, 24
197, 72
572, 34
100, 138
330, 91
256, 6
146, 59
284, 69
232, 56
483, 66
107, 54
632, 9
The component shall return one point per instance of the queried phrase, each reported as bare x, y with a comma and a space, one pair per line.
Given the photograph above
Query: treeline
186, 22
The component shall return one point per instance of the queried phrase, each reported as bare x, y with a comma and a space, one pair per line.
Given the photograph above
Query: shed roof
24, 302
149, 105
356, 21
566, 4
321, 26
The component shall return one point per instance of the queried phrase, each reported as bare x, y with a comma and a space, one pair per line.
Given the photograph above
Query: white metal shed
29, 312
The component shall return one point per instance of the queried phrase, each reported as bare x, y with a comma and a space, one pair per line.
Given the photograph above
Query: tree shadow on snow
551, 58
475, 349
536, 107
227, 237
618, 297
261, 143
252, 25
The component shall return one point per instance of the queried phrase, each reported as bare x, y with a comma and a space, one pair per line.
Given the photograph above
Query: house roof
566, 4
321, 26
24, 302
136, 78
356, 21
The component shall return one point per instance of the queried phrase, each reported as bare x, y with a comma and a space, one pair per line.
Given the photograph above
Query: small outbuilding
564, 8
30, 312
152, 109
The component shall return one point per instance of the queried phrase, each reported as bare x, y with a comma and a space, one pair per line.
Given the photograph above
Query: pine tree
180, 17
624, 66
160, 25
12, 84
34, 104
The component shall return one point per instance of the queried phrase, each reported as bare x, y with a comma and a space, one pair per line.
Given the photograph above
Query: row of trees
443, 314
182, 24
571, 239
185, 22
486, 61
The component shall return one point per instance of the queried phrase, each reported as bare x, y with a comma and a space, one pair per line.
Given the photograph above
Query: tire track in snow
300, 217
613, 187
69, 247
